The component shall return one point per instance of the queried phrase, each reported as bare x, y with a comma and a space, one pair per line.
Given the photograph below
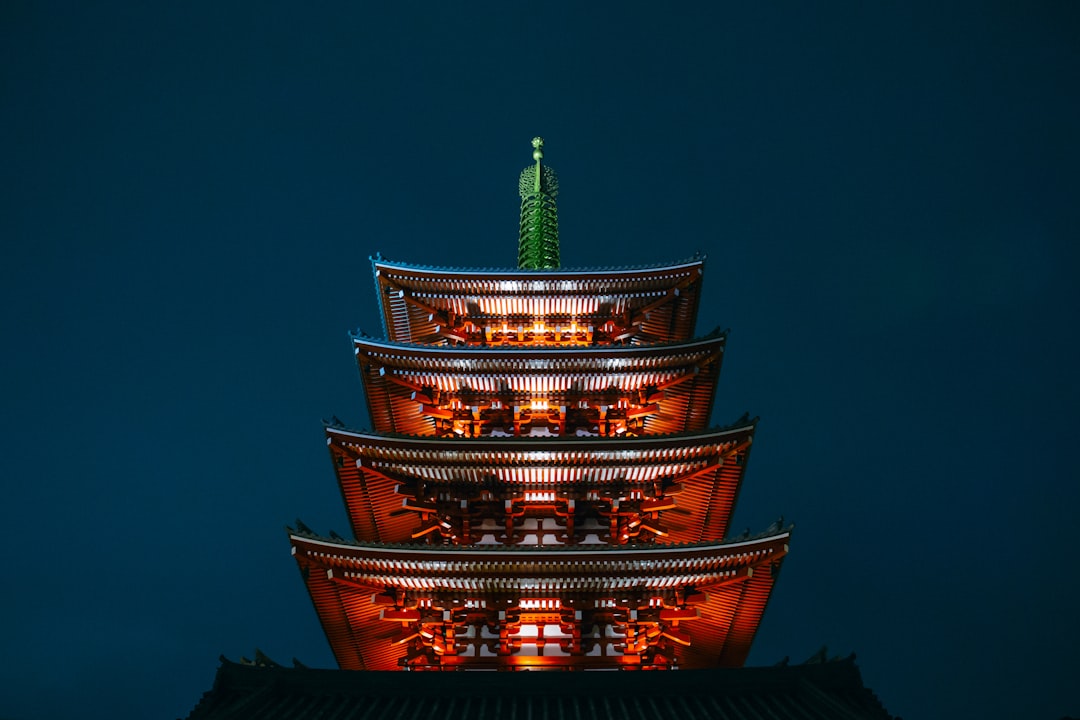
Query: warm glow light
528, 630
540, 603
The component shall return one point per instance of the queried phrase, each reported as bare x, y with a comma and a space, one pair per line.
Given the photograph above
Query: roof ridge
696, 257
773, 531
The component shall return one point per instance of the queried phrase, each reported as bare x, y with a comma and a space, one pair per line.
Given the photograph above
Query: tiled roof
775, 529
697, 259
831, 689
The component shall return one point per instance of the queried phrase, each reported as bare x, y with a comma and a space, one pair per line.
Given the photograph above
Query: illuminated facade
540, 487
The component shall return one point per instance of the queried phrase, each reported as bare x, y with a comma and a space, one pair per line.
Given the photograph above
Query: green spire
538, 243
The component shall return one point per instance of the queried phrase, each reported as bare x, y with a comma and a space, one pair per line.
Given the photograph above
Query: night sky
889, 198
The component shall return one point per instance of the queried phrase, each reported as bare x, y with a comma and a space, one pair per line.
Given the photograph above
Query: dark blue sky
888, 197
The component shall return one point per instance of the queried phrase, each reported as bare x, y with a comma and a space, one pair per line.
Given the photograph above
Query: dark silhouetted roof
816, 689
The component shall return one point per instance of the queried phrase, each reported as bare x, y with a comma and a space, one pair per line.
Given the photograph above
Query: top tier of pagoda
523, 308
539, 350
540, 487
539, 303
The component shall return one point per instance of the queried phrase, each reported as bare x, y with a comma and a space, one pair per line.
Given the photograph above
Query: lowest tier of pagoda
540, 488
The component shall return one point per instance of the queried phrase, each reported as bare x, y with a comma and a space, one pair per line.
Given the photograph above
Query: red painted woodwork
541, 488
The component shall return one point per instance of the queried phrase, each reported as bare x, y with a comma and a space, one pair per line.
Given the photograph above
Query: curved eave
413, 298
370, 345
499, 570
645, 445
435, 272
709, 466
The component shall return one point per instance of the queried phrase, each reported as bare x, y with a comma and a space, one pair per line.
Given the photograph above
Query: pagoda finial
538, 241
538, 155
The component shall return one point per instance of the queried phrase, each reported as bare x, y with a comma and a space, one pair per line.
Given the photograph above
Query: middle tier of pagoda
541, 491
606, 390
566, 308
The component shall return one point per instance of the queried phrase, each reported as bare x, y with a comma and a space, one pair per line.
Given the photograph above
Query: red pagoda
540, 487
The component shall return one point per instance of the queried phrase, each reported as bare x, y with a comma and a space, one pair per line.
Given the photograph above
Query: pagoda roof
600, 272
708, 465
833, 688
736, 576
502, 354
391, 370
709, 561
416, 299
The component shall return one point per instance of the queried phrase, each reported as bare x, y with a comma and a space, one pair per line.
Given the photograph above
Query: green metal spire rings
538, 242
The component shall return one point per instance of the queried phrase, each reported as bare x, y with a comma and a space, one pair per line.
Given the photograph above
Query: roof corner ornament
538, 240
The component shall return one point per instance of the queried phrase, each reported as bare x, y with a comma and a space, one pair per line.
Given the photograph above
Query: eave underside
693, 480
416, 390
647, 305
377, 604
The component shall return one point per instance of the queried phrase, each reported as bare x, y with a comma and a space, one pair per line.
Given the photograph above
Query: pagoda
540, 487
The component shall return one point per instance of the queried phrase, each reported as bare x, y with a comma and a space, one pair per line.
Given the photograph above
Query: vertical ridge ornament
538, 242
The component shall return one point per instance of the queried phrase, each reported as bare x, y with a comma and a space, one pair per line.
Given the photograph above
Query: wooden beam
695, 474
406, 295
367, 469
451, 333
672, 294
388, 375
640, 313
679, 379
637, 412
336, 575
437, 412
